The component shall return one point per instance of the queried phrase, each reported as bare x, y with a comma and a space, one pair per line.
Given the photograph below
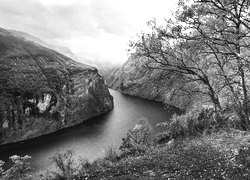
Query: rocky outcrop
42, 91
137, 78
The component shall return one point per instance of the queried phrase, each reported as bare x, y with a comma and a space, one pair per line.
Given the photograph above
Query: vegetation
66, 165
208, 45
20, 170
190, 152
138, 140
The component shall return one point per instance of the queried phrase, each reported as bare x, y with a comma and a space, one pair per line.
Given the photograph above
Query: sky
102, 28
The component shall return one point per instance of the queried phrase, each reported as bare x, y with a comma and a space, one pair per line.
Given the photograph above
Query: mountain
137, 79
28, 37
61, 49
65, 51
105, 68
42, 91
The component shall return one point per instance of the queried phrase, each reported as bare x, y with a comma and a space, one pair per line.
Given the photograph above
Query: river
92, 138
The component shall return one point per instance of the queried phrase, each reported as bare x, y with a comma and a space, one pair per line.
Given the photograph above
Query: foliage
65, 164
208, 44
219, 155
138, 139
111, 154
198, 158
195, 122
1, 168
20, 169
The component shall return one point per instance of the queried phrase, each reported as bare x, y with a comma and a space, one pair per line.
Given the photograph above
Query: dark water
90, 139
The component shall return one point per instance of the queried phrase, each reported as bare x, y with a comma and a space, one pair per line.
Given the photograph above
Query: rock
149, 173
41, 89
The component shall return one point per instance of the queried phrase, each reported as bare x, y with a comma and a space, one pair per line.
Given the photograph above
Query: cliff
42, 91
137, 78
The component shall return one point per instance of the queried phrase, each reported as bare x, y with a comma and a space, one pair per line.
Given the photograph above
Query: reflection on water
90, 139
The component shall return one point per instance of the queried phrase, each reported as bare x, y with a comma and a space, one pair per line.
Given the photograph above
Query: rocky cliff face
137, 79
42, 91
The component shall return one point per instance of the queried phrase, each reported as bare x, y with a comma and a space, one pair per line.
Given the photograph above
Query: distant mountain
65, 51
90, 59
105, 68
42, 91
61, 49
29, 37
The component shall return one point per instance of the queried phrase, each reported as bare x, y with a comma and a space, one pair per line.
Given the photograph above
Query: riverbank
201, 144
91, 138
220, 155
216, 156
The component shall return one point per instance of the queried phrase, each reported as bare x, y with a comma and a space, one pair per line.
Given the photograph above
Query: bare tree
207, 43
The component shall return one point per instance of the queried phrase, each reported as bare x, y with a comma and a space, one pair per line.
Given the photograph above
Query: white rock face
44, 103
5, 124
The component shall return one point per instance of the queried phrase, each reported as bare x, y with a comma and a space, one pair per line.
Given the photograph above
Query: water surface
90, 139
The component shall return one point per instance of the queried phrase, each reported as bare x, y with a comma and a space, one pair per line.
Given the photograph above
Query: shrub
138, 139
65, 163
20, 169
243, 158
1, 168
162, 138
84, 165
193, 123
111, 154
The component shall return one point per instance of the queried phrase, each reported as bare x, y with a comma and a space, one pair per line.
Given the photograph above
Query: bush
193, 123
111, 154
138, 139
65, 163
243, 158
20, 169
1, 168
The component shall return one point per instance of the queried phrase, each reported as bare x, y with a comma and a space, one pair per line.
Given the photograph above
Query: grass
223, 154
209, 157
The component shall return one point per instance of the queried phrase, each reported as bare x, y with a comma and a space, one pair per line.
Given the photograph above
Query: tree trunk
245, 99
245, 116
216, 104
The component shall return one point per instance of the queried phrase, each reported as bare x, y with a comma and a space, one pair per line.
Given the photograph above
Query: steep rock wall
42, 91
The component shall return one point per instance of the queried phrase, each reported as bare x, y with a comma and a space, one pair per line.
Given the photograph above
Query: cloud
108, 18
61, 21
31, 17
103, 26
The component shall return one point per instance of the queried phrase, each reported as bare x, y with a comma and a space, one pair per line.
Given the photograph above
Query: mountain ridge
43, 91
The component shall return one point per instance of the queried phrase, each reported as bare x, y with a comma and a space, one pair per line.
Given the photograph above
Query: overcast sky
102, 27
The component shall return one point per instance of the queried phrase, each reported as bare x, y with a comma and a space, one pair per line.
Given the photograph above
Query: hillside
42, 90
61, 49
90, 59
137, 79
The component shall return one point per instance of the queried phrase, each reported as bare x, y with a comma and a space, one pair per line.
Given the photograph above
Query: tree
138, 139
65, 163
20, 170
207, 43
